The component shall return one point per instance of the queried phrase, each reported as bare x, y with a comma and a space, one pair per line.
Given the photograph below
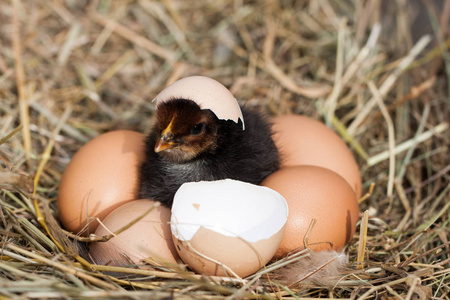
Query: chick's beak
164, 143
167, 139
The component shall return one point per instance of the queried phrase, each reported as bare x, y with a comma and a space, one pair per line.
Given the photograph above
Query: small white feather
322, 268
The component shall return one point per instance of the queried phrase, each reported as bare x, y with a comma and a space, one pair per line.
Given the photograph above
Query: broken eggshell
207, 93
227, 227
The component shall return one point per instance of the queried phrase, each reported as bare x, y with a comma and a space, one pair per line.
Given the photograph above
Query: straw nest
378, 72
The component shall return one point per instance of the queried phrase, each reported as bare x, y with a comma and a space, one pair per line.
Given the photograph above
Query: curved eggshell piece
242, 257
207, 93
227, 222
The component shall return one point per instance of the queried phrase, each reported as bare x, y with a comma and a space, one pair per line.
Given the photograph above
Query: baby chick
191, 144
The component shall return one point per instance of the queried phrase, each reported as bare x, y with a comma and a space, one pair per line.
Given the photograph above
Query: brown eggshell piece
149, 239
101, 176
315, 193
305, 141
242, 257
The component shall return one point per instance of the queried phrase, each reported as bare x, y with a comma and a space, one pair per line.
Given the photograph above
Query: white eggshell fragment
226, 225
207, 93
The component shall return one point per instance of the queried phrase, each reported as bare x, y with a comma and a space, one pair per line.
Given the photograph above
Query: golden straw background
376, 71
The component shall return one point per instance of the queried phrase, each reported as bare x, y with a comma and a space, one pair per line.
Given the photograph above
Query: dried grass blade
342, 130
69, 43
13, 181
15, 256
127, 226
62, 267
67, 128
243, 290
441, 41
409, 153
20, 78
368, 194
134, 37
331, 101
389, 82
12, 270
116, 67
407, 144
279, 264
438, 215
362, 240
391, 136
21, 203
404, 200
45, 157
363, 53
269, 65
32, 240
11, 134
36, 232
415, 92
156, 9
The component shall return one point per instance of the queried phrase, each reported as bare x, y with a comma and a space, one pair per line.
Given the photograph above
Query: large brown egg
101, 176
149, 239
305, 141
315, 193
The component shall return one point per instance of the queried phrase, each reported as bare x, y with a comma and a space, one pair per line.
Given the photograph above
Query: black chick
191, 144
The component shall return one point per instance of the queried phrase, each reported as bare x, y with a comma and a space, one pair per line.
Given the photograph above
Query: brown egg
315, 193
305, 141
101, 176
149, 239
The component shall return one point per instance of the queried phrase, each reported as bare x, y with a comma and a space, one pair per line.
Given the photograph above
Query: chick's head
185, 131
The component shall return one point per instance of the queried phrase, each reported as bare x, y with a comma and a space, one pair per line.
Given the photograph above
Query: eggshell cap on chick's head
207, 93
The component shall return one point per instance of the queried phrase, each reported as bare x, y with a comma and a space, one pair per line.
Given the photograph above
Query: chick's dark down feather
248, 155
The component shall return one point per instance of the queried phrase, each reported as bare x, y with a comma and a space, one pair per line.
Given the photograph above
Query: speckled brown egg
305, 141
148, 240
101, 176
315, 193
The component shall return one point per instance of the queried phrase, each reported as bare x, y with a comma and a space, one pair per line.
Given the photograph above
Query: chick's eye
198, 128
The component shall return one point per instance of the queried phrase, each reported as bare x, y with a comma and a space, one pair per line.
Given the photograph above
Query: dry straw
377, 71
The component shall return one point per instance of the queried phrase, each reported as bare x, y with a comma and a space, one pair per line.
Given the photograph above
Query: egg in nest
100, 177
